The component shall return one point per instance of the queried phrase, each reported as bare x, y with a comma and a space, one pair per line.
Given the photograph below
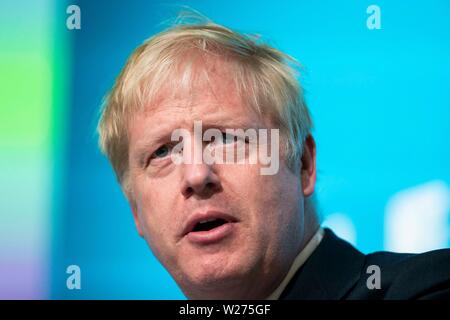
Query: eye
227, 138
161, 152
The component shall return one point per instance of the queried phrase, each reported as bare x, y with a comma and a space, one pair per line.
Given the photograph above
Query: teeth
209, 220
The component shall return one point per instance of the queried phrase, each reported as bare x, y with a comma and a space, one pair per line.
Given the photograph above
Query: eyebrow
229, 123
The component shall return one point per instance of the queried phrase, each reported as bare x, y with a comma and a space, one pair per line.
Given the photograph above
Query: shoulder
408, 276
337, 270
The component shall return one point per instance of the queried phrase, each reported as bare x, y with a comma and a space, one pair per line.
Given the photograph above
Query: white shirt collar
298, 262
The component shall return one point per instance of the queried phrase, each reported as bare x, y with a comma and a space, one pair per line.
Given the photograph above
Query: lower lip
211, 236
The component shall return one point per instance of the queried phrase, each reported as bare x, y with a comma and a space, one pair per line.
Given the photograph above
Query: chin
215, 273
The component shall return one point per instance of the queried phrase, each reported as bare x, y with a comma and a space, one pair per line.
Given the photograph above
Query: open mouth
210, 228
209, 224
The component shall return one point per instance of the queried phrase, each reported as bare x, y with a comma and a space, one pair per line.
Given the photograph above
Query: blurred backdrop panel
376, 77
30, 111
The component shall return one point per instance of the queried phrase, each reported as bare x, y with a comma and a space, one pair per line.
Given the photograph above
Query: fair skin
267, 224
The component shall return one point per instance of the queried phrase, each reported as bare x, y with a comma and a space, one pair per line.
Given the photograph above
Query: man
229, 229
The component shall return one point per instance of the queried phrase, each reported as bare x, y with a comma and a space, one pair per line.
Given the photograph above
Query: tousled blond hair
264, 77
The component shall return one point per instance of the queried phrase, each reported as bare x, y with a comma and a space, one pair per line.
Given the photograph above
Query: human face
248, 255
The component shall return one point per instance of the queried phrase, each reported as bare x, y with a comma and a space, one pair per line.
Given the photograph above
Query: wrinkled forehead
197, 79
213, 109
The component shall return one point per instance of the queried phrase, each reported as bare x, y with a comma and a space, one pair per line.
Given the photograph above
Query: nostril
207, 189
188, 191
210, 185
202, 188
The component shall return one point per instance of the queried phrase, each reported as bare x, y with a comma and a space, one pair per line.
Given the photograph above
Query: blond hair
264, 77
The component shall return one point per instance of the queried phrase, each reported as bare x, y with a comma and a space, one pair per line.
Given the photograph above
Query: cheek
277, 203
155, 214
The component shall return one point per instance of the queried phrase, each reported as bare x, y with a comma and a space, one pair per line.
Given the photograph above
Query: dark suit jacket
336, 270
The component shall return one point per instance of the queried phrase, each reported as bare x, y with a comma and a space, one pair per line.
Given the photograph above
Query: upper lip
198, 217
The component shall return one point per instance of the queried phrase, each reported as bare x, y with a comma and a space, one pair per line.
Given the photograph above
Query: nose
199, 180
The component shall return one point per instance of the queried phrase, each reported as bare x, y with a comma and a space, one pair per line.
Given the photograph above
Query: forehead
172, 114
211, 95
202, 80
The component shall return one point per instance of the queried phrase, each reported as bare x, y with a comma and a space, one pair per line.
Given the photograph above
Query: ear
134, 210
308, 166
